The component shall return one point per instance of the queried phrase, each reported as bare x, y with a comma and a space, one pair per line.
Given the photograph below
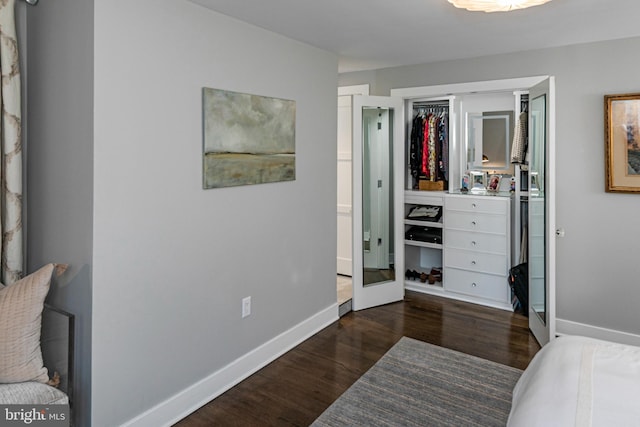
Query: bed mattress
578, 381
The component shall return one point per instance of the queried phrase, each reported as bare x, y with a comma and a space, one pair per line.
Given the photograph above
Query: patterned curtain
11, 141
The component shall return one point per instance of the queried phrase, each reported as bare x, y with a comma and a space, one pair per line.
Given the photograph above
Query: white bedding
577, 381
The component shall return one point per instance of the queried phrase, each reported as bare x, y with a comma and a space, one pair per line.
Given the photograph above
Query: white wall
173, 261
597, 266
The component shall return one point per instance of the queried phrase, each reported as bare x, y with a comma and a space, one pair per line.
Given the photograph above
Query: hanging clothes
443, 131
519, 145
415, 152
433, 150
429, 145
425, 150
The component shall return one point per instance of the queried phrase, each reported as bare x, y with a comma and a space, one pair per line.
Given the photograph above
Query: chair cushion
31, 393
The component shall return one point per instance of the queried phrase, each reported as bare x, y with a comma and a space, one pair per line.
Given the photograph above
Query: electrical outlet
246, 307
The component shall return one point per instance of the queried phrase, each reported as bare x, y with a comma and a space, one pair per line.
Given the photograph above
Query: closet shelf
418, 286
422, 244
431, 224
417, 197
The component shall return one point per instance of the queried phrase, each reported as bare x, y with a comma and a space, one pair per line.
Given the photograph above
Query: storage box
425, 185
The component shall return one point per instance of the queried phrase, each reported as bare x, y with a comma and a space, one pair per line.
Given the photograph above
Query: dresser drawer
484, 204
477, 285
479, 242
487, 223
476, 261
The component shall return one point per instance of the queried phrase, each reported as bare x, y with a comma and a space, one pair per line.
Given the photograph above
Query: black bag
424, 234
519, 283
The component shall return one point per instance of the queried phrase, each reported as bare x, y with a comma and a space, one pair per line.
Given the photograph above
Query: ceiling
372, 34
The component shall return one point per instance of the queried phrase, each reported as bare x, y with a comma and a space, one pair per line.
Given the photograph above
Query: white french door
378, 257
542, 226
344, 260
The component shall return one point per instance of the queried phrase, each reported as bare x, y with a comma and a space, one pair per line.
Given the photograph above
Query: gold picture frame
622, 143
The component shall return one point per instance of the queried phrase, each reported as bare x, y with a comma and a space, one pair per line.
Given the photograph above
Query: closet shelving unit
421, 256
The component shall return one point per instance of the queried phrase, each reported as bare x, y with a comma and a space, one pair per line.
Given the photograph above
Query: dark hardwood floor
296, 388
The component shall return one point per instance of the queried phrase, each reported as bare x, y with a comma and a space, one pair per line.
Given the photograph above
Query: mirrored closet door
542, 211
377, 194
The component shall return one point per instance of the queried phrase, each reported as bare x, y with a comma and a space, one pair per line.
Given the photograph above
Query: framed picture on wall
622, 143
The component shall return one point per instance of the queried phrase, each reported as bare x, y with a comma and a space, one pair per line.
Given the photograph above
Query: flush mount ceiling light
495, 5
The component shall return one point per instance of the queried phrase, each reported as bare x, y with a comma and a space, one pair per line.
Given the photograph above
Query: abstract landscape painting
248, 139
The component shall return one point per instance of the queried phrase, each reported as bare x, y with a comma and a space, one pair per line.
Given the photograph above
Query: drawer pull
473, 205
473, 223
473, 243
474, 284
473, 263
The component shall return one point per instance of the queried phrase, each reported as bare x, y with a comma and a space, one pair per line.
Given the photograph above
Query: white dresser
477, 254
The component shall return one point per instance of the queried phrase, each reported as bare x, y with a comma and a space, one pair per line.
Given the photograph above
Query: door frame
515, 84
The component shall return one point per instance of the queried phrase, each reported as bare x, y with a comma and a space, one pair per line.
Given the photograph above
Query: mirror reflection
537, 218
377, 195
489, 141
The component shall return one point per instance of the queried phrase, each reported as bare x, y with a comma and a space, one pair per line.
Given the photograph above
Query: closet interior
453, 187
446, 198
466, 192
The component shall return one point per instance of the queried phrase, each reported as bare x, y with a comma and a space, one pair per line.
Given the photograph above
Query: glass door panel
377, 193
537, 291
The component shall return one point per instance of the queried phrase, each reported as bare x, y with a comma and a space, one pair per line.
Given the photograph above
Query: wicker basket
425, 185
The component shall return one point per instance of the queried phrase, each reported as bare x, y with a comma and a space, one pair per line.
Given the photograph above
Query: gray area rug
419, 384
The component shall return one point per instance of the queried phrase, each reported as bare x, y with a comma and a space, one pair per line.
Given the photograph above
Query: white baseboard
567, 327
188, 400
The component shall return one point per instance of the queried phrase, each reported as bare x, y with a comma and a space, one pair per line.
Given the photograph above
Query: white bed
578, 381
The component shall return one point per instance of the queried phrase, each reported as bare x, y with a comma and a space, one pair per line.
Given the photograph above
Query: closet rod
430, 107
439, 109
431, 104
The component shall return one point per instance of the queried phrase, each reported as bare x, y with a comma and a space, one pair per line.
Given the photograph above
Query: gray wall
158, 265
59, 153
172, 261
597, 266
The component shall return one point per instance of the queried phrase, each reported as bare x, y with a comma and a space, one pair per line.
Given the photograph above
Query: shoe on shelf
411, 275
